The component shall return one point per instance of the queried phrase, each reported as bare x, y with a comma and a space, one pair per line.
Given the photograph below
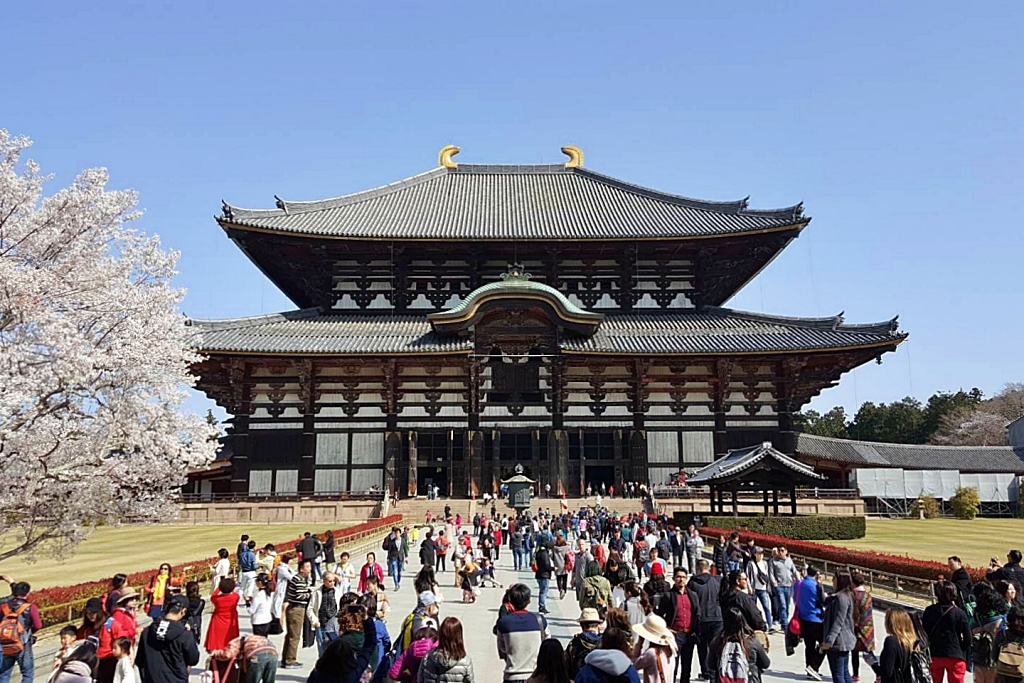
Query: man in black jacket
167, 648
428, 550
545, 567
959, 577
735, 595
659, 594
705, 589
1011, 571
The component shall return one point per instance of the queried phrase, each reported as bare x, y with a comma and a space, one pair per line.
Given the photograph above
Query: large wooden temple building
461, 321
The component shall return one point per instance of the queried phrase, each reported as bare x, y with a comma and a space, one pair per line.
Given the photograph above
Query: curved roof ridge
738, 207
253, 320
287, 207
834, 322
888, 444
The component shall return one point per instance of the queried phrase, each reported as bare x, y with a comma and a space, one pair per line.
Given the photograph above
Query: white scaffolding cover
910, 484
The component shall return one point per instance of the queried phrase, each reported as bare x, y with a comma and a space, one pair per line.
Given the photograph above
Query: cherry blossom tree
94, 359
972, 427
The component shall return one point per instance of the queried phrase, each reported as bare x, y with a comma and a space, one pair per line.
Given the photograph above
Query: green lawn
975, 541
139, 547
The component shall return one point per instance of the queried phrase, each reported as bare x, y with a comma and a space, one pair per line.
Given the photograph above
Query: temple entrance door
596, 474
433, 476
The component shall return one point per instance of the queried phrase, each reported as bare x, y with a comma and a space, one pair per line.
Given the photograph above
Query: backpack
733, 665
12, 631
983, 649
1010, 660
920, 667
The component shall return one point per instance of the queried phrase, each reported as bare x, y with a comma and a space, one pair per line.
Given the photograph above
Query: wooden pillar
239, 375
558, 456
712, 499
414, 466
789, 371
495, 462
392, 455
540, 467
775, 501
735, 503
720, 394
792, 498
638, 436
474, 453
307, 392
623, 464
765, 497
450, 463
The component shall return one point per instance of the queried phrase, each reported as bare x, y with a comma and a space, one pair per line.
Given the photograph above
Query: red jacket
119, 624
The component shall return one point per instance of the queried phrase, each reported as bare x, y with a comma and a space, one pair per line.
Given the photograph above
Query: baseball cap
426, 598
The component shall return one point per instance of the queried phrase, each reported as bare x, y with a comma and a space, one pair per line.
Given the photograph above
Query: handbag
794, 622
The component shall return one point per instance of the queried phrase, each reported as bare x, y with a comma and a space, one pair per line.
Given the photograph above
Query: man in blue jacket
809, 600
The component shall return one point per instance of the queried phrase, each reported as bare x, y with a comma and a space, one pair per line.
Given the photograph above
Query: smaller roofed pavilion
757, 468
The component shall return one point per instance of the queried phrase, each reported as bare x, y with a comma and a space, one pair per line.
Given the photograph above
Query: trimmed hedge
801, 528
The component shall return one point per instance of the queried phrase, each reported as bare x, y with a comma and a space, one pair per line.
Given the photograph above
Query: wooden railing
690, 492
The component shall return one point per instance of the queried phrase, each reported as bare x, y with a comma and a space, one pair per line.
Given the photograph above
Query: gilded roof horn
575, 155
444, 157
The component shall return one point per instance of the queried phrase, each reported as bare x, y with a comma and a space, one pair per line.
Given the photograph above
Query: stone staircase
415, 509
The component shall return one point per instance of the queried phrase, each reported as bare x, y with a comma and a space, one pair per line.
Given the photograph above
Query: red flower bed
62, 604
883, 562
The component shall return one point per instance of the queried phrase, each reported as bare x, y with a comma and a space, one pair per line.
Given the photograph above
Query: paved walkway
478, 620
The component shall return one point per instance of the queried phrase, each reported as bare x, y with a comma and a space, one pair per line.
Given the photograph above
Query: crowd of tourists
650, 597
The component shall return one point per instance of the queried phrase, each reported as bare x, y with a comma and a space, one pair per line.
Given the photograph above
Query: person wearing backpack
611, 662
736, 655
1009, 645
895, 664
759, 581
949, 634
989, 618
584, 642
19, 620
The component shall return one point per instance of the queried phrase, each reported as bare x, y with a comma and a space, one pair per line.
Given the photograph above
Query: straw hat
589, 615
654, 630
126, 594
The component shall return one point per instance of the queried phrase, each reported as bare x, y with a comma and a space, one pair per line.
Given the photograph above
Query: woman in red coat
371, 568
223, 626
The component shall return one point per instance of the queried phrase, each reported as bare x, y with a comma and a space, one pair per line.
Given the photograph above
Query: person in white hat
657, 662
584, 642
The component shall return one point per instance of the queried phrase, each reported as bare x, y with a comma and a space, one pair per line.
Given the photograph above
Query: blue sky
898, 124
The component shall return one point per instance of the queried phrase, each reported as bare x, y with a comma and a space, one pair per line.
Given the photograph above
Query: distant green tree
834, 423
896, 422
965, 503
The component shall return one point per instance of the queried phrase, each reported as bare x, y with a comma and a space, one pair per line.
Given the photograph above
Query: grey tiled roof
511, 202
309, 331
715, 330
723, 330
744, 458
912, 456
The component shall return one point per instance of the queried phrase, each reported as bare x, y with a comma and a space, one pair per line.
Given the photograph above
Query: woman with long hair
223, 626
426, 581
93, 617
949, 634
733, 594
610, 662
838, 638
196, 606
550, 664
893, 665
328, 550
657, 662
448, 662
864, 628
1008, 590
736, 635
261, 613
